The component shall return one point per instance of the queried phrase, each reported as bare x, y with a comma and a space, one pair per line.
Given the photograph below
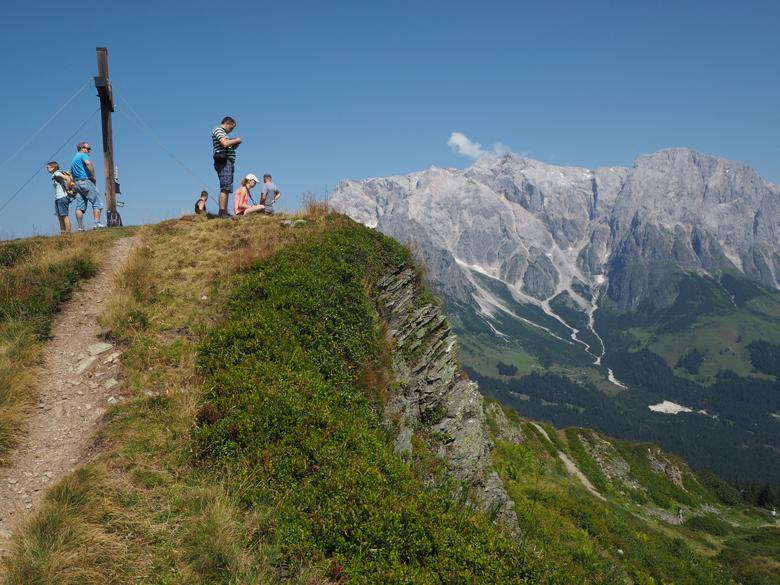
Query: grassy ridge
36, 276
286, 409
305, 492
143, 505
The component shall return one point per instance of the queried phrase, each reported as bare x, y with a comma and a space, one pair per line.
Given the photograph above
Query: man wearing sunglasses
86, 190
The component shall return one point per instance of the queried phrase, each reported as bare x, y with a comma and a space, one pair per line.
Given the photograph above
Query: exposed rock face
432, 394
506, 430
609, 461
539, 228
660, 464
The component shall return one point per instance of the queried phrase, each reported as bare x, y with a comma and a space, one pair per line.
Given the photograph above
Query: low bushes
285, 410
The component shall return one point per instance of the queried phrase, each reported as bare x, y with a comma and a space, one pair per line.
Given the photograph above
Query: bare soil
79, 381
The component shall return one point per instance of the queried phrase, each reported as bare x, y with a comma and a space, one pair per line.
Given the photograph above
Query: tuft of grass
314, 208
63, 542
711, 524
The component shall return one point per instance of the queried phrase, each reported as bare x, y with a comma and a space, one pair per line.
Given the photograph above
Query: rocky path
79, 381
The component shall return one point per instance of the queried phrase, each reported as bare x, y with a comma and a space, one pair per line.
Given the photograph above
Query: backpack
70, 184
113, 219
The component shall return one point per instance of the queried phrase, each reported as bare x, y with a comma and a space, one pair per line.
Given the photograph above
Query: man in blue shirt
84, 176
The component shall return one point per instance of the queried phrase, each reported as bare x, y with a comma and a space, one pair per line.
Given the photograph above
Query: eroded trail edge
78, 381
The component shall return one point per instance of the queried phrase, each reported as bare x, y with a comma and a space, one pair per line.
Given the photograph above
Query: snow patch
668, 407
613, 379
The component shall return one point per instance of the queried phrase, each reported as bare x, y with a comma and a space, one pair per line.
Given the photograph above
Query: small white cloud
461, 144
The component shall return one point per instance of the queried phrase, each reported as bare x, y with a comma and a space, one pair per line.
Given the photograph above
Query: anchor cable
45, 124
51, 157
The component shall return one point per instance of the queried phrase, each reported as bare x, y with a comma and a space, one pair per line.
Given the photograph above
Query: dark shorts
61, 206
224, 168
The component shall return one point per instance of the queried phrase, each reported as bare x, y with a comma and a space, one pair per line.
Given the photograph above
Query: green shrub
13, 253
754, 558
711, 524
725, 492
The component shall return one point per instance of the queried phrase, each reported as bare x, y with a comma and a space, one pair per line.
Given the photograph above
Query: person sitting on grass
269, 195
200, 204
241, 200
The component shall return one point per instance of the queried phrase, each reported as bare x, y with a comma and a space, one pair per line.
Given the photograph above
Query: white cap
251, 177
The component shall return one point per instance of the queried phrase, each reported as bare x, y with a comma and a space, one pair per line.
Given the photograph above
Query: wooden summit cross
103, 86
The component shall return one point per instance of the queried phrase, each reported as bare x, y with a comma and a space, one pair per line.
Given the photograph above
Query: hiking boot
80, 228
223, 214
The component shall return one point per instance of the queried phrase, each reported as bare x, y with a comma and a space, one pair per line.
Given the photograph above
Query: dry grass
64, 542
19, 354
314, 208
156, 516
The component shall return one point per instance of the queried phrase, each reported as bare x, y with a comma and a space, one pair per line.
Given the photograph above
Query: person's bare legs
254, 209
64, 224
223, 200
80, 218
96, 214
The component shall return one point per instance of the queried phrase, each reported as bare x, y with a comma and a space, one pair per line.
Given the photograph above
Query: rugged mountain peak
541, 228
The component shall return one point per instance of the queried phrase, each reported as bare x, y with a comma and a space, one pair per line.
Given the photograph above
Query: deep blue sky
330, 90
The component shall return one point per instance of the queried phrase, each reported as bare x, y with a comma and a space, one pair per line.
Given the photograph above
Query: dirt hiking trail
78, 381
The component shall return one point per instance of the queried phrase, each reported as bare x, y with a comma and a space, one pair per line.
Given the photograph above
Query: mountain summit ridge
540, 227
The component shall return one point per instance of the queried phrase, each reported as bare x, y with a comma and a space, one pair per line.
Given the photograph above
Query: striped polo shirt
216, 135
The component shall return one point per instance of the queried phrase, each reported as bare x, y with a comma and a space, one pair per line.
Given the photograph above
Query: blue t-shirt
77, 167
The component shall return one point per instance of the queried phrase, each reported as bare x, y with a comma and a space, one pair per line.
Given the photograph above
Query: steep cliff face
432, 395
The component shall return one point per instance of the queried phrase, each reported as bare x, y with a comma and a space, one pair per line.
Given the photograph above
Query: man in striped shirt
224, 160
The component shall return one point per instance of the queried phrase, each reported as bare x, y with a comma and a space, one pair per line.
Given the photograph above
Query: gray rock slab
98, 348
84, 365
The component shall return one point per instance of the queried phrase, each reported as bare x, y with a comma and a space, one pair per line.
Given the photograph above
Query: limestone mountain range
546, 230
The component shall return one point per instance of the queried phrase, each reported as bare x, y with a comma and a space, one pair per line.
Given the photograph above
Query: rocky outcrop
432, 397
505, 430
659, 463
611, 464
